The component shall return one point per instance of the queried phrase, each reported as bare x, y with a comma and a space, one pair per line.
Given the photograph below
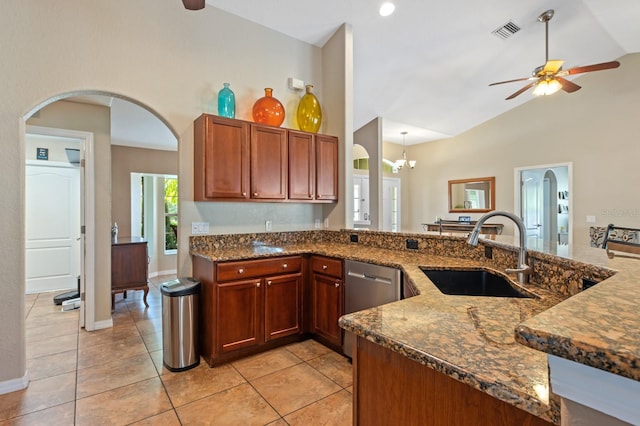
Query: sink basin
462, 282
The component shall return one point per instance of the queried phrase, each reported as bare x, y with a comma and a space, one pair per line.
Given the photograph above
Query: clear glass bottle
226, 102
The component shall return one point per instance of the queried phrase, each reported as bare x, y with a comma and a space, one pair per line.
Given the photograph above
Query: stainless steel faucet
523, 270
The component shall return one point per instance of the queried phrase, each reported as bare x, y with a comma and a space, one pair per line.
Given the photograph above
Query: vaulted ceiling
427, 67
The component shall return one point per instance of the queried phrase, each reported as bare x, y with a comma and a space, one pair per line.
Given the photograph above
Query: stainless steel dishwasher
367, 286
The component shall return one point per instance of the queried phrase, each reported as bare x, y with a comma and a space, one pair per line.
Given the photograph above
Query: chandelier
403, 161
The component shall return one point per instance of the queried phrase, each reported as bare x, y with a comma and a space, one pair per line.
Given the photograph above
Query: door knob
337, 285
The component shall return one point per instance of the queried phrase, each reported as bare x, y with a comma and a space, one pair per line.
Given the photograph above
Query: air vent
506, 31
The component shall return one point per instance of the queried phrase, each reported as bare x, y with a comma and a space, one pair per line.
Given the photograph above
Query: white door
52, 206
532, 204
391, 204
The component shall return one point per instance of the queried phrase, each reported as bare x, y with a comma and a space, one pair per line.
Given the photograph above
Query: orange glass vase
268, 110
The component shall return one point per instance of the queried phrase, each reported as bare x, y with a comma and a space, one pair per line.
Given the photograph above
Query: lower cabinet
328, 298
248, 306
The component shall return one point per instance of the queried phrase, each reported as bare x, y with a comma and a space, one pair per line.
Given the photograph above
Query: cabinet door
283, 306
326, 168
221, 158
302, 162
128, 265
328, 301
240, 315
268, 163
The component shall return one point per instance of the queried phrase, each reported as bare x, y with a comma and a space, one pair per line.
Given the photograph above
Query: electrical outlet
326, 223
199, 228
591, 219
318, 224
267, 225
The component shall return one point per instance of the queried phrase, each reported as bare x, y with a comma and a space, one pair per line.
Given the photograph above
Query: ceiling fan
548, 78
193, 4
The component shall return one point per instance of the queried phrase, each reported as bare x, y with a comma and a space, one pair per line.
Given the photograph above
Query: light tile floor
115, 376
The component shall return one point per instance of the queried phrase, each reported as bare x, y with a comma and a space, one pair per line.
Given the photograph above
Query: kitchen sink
465, 282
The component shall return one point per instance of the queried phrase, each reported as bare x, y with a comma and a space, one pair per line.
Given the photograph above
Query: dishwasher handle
369, 277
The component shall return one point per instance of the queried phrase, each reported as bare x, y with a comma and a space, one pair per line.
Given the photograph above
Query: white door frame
87, 246
517, 172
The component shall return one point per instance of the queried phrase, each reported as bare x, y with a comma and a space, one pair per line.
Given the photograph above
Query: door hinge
82, 162
82, 297
83, 229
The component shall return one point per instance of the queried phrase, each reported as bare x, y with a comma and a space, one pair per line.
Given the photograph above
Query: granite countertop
468, 338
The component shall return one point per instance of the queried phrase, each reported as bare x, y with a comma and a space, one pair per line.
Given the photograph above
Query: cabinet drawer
236, 270
327, 266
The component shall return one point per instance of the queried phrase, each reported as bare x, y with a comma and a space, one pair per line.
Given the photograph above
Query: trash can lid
180, 287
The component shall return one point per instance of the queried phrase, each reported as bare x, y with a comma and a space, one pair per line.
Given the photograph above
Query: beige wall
168, 59
595, 128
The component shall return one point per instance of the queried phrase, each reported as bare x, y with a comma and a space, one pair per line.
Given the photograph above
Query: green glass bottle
309, 112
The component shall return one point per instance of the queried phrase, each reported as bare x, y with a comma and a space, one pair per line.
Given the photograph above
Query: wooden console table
453, 226
129, 267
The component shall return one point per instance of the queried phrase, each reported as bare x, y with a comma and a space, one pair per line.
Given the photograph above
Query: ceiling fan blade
589, 68
193, 4
552, 66
512, 81
524, 89
568, 86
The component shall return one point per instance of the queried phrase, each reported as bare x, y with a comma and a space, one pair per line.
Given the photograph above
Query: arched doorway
96, 193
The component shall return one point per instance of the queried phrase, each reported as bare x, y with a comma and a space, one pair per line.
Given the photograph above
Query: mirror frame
492, 194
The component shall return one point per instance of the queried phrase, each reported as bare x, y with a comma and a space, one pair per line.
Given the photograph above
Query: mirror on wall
472, 195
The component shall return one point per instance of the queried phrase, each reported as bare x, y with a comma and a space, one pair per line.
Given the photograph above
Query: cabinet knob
240, 271
285, 266
337, 285
257, 284
255, 194
268, 282
324, 267
244, 194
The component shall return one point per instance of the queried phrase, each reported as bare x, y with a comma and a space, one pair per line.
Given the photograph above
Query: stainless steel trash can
180, 324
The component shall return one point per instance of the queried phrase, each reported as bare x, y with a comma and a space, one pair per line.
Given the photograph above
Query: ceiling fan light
547, 87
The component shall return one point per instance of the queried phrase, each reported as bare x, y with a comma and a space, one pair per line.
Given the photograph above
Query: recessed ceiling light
387, 9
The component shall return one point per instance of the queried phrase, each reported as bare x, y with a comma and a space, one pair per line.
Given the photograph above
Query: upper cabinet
326, 168
236, 160
221, 158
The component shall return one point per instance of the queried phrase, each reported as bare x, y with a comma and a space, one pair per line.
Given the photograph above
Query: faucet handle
522, 273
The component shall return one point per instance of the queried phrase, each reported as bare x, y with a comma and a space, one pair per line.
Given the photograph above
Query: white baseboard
160, 273
99, 325
13, 385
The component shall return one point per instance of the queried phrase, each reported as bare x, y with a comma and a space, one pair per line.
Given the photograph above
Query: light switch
267, 225
591, 219
199, 228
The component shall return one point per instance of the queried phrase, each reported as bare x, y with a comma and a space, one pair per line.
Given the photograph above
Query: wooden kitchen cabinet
239, 315
268, 163
302, 166
221, 159
282, 306
248, 306
236, 160
326, 168
328, 299
129, 267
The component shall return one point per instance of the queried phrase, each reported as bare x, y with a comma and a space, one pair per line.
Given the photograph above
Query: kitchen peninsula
469, 340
